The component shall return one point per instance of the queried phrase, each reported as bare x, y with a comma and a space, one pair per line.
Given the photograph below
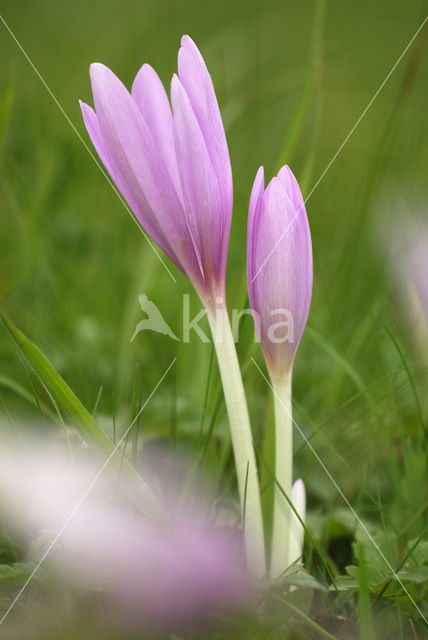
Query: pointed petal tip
285, 170
100, 73
96, 67
273, 182
176, 85
187, 41
145, 73
190, 52
260, 175
257, 189
88, 112
145, 69
97, 72
290, 184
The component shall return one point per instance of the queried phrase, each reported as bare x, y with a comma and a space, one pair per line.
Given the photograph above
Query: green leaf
387, 544
420, 551
345, 583
417, 575
303, 581
374, 576
85, 424
18, 572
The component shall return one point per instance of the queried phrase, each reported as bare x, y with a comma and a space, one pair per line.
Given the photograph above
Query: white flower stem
245, 461
283, 472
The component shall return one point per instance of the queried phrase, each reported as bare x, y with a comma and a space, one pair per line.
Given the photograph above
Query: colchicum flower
173, 169
279, 271
279, 267
144, 575
171, 166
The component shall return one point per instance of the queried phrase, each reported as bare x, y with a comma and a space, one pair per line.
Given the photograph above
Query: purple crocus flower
279, 267
279, 257
171, 166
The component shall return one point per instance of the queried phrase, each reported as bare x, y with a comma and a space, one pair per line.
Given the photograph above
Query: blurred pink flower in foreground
407, 249
171, 166
150, 576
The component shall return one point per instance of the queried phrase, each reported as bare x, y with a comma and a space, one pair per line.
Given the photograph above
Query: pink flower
150, 576
279, 267
171, 166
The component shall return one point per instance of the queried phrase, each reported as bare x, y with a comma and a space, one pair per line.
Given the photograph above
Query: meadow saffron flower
279, 271
279, 267
146, 575
171, 166
173, 169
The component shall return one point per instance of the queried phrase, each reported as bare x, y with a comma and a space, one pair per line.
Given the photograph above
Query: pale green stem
284, 475
242, 443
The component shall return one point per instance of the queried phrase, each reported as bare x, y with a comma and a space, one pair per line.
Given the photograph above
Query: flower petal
255, 200
279, 274
91, 123
290, 184
136, 201
201, 192
152, 100
197, 82
139, 168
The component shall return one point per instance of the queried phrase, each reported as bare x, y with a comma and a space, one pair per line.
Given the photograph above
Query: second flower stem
283, 472
242, 443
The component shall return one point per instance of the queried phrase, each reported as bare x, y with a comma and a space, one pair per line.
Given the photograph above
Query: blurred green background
292, 78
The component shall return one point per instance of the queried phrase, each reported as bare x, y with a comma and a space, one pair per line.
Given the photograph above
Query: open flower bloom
171, 166
279, 267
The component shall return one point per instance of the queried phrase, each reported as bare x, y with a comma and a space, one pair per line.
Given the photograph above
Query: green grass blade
80, 417
410, 377
311, 623
366, 621
85, 424
294, 132
6, 103
22, 392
